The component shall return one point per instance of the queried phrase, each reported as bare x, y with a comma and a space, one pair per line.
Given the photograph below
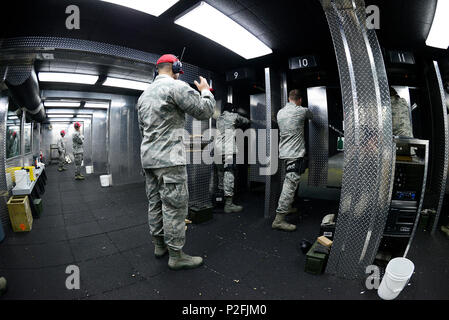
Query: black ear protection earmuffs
177, 67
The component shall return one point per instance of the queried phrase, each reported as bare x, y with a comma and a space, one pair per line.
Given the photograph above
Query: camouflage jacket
61, 145
161, 111
78, 141
402, 124
291, 120
227, 122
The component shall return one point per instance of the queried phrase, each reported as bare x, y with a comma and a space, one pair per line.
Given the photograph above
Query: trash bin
397, 275
105, 181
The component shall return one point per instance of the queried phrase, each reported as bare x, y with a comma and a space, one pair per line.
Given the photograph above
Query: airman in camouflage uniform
402, 122
78, 151
291, 121
161, 113
226, 147
61, 151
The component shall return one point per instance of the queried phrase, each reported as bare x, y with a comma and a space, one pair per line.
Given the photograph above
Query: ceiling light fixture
62, 104
438, 36
82, 116
96, 105
59, 115
211, 23
128, 84
152, 7
67, 77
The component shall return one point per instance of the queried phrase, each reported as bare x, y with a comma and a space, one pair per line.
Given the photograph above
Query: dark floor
104, 232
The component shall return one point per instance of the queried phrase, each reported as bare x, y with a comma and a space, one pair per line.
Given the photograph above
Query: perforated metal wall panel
199, 174
17, 75
318, 137
50, 43
273, 183
369, 147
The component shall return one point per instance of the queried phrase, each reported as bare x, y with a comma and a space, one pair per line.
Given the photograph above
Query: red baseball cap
77, 125
168, 58
63, 132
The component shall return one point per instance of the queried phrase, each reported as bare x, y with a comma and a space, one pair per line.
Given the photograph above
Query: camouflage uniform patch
289, 187
78, 151
227, 122
291, 121
61, 151
161, 110
226, 177
168, 197
226, 146
78, 161
402, 124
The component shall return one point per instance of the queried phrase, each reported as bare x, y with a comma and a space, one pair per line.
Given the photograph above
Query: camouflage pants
291, 183
405, 130
168, 198
226, 178
78, 161
61, 159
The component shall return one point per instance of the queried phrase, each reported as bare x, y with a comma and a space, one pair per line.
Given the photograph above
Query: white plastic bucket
89, 169
104, 180
397, 274
22, 179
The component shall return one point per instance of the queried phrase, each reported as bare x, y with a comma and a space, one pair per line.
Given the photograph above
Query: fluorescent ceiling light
59, 116
13, 117
438, 36
63, 104
82, 116
67, 77
153, 7
96, 105
211, 23
129, 84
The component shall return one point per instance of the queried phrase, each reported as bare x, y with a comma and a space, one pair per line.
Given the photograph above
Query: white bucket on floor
22, 179
104, 180
397, 274
89, 169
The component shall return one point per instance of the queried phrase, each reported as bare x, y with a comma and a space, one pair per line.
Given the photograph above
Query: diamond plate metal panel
273, 97
258, 121
443, 167
369, 147
318, 137
4, 217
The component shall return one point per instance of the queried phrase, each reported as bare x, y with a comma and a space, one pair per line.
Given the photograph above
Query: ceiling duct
24, 90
